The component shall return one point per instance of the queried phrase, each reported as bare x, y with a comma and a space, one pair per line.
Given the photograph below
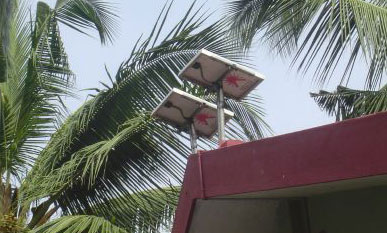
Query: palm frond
88, 14
248, 123
145, 211
110, 147
38, 76
79, 224
3, 63
7, 10
249, 119
17, 62
332, 29
347, 103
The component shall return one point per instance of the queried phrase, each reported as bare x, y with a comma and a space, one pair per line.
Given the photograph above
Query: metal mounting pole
220, 113
194, 144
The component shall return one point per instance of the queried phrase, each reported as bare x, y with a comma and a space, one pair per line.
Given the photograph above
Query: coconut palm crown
34, 77
109, 166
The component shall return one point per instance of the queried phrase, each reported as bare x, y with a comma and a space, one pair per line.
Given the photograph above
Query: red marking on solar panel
203, 117
233, 80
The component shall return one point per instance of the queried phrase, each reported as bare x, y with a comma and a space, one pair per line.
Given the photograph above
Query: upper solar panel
207, 68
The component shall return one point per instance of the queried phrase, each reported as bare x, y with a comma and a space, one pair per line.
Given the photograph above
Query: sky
285, 92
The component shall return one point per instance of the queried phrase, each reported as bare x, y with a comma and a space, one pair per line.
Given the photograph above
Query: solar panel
180, 108
207, 68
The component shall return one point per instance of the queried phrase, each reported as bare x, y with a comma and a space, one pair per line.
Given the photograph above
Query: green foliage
331, 27
79, 224
347, 103
110, 151
109, 167
35, 82
88, 14
6, 14
36, 76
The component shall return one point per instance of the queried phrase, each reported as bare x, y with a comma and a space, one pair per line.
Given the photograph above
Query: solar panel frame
230, 66
157, 112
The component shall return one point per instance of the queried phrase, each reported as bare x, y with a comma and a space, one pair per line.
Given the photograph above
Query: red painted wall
350, 149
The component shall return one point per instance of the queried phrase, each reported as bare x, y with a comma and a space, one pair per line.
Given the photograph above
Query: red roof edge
349, 149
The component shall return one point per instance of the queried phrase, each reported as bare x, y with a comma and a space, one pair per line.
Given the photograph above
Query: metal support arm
194, 144
220, 113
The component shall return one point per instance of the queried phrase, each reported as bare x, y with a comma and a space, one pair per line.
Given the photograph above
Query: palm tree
346, 103
6, 14
328, 30
110, 167
35, 75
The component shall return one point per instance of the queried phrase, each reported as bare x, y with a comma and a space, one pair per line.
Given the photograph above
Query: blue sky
286, 93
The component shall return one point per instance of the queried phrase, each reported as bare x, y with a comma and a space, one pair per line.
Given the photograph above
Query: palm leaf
38, 76
111, 148
7, 10
332, 29
143, 212
88, 14
79, 224
347, 103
